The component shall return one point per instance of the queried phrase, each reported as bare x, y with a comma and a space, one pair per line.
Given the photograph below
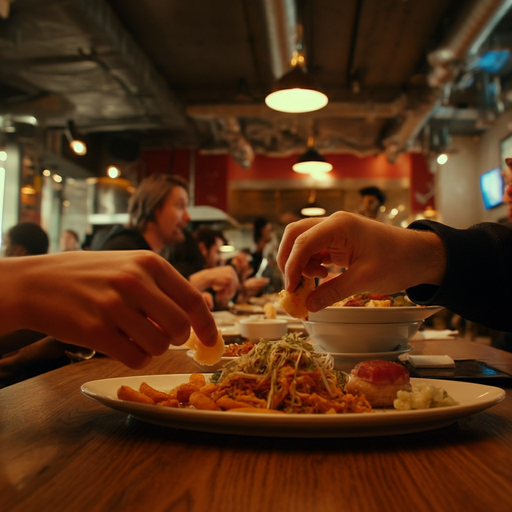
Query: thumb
336, 289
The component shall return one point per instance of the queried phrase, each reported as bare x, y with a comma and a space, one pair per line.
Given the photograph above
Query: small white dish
254, 328
345, 362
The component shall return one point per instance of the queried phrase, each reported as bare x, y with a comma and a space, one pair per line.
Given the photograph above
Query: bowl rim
366, 324
260, 321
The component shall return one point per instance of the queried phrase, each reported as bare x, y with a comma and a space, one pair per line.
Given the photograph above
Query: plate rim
388, 422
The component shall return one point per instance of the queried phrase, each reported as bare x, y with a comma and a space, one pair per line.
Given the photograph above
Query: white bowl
267, 328
356, 315
360, 338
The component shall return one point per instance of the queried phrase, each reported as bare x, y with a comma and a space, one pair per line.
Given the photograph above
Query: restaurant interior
277, 110
180, 88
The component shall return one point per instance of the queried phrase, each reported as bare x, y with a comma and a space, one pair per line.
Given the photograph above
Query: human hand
255, 284
127, 304
223, 280
208, 298
379, 258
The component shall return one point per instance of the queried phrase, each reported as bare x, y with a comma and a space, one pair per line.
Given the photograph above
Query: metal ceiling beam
347, 109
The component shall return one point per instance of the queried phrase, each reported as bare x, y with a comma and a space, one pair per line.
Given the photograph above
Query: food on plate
379, 381
294, 303
284, 376
423, 396
203, 354
269, 310
237, 349
375, 300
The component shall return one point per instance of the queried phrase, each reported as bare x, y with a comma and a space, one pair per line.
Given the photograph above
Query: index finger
304, 245
291, 232
190, 300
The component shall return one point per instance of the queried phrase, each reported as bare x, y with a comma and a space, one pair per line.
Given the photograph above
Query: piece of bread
294, 303
203, 354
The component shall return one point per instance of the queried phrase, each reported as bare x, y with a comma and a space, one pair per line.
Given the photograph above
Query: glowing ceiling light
442, 159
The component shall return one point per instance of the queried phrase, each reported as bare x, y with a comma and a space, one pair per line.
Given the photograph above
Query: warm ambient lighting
442, 159
312, 209
78, 147
310, 162
297, 91
227, 248
113, 171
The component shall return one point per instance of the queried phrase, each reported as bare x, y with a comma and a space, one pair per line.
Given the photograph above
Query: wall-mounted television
491, 187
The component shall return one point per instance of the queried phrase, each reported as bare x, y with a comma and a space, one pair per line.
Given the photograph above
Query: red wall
213, 172
344, 166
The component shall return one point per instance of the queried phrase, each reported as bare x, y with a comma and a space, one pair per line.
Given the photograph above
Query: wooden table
61, 451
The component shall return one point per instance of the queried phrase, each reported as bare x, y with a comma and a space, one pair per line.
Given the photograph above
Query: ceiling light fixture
311, 161
442, 159
297, 91
78, 146
312, 209
113, 171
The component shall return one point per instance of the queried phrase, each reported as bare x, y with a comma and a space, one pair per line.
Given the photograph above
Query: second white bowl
267, 328
350, 338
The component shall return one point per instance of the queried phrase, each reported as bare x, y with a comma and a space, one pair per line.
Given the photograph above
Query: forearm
15, 279
478, 280
201, 280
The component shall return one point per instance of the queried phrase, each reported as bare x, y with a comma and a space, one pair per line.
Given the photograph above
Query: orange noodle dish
284, 376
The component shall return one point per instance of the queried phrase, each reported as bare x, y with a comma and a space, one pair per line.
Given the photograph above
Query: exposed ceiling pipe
145, 76
281, 20
466, 38
469, 33
239, 147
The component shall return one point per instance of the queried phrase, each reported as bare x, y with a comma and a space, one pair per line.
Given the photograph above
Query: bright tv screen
491, 187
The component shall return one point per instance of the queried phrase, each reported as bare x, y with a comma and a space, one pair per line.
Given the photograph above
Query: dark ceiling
399, 74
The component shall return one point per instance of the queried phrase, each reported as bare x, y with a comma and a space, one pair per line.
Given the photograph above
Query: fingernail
285, 283
317, 304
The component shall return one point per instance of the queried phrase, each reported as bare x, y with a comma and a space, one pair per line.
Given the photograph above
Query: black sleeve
478, 281
121, 243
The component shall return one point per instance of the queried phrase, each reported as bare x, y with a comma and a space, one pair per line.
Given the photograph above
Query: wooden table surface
60, 451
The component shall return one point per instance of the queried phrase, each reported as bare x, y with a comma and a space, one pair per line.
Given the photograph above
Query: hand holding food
127, 304
203, 354
295, 303
378, 257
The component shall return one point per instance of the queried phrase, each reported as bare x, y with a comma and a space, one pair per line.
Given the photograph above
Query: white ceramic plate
472, 398
356, 315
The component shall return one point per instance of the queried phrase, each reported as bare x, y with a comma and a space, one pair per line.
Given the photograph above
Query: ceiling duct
470, 31
239, 148
465, 40
281, 21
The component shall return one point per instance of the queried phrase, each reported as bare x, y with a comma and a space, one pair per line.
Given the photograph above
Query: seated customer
158, 216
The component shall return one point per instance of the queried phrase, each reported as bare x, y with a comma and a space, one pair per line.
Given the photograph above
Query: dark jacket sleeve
478, 281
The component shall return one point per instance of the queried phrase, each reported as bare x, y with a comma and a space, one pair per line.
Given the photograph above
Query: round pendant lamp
311, 161
297, 91
312, 209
